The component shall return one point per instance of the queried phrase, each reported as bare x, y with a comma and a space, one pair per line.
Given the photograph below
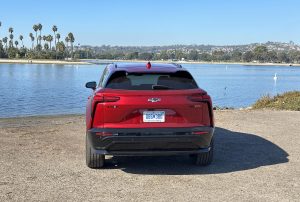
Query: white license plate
154, 116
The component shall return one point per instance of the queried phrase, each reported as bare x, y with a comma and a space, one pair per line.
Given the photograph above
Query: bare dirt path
257, 159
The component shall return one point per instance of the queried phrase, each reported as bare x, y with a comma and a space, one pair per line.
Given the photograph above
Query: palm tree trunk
37, 39
72, 50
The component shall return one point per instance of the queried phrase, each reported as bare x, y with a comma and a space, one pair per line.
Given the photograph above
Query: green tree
21, 39
260, 53
72, 40
179, 55
5, 41
272, 56
32, 40
16, 43
54, 29
218, 55
164, 55
50, 39
205, 57
58, 37
44, 39
61, 48
36, 28
40, 27
46, 46
193, 55
11, 36
67, 40
236, 56
248, 56
283, 57
145, 56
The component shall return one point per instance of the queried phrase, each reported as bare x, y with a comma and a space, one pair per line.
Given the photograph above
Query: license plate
154, 116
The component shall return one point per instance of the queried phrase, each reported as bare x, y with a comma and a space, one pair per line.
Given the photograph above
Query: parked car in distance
148, 109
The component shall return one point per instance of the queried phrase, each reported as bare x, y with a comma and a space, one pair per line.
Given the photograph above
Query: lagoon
45, 89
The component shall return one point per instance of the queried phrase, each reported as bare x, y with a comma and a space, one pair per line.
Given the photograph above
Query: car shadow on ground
234, 151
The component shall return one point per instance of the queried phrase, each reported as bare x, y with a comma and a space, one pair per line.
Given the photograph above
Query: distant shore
89, 62
196, 62
34, 61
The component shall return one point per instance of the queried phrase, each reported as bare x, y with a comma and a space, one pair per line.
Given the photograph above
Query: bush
285, 101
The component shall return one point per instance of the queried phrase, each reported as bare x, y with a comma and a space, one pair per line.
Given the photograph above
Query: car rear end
149, 111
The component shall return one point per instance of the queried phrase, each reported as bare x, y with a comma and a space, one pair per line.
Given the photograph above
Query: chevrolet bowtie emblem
154, 99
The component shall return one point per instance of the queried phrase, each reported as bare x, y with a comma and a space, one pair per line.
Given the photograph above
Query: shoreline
103, 61
35, 61
195, 62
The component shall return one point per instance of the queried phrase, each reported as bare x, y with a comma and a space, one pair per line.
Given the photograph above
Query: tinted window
151, 81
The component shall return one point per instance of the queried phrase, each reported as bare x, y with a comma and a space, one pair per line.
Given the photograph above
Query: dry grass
285, 101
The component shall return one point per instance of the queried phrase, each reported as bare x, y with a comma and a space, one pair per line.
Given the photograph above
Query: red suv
148, 109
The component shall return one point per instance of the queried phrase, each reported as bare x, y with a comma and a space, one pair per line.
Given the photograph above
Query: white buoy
275, 77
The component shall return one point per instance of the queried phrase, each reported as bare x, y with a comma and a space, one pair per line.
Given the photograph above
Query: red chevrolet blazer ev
148, 109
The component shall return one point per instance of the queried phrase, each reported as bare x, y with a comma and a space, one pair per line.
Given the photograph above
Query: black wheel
93, 160
204, 159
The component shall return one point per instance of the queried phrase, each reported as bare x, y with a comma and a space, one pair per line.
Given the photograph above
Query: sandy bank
60, 62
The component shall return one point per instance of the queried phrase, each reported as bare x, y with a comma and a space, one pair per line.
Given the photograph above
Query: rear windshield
151, 81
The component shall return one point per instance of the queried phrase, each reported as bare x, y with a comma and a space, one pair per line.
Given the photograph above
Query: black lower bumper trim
151, 153
150, 141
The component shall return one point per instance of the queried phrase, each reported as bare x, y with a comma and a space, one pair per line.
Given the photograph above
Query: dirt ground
256, 159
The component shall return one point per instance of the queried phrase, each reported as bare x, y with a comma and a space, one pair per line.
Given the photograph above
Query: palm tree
46, 46
11, 36
67, 41
16, 43
32, 39
54, 29
5, 41
44, 39
36, 28
50, 39
40, 39
58, 37
21, 39
72, 39
11, 44
40, 27
11, 30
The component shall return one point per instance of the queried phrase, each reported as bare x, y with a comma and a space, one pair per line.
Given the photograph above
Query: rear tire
93, 160
204, 159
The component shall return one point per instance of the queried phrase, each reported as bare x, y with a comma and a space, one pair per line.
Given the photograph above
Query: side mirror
91, 85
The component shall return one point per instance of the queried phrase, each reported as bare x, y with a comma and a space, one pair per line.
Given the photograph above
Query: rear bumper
150, 141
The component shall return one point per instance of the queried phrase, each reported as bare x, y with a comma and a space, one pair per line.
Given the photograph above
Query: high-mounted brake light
148, 65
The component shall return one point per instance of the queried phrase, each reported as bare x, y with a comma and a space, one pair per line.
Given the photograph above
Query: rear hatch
155, 101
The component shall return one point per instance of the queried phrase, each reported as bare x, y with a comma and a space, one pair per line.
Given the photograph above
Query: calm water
28, 89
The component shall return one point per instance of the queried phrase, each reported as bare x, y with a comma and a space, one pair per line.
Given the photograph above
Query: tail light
199, 97
106, 99
110, 99
101, 99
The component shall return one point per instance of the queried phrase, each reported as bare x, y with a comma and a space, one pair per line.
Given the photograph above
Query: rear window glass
151, 81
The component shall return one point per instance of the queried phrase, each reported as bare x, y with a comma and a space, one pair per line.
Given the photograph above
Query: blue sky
157, 22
